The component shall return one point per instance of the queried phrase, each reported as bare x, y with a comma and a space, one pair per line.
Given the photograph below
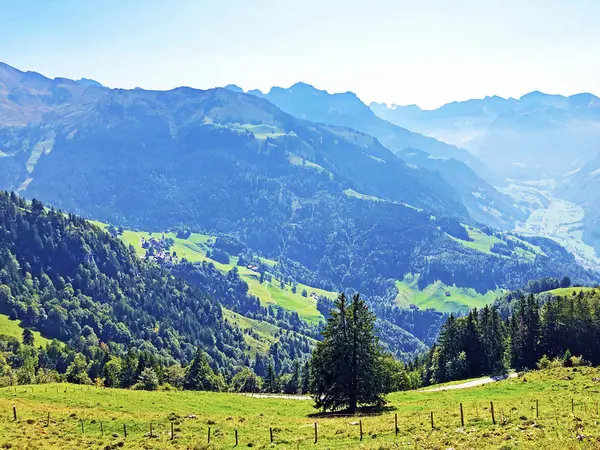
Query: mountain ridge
302, 193
305, 101
537, 135
348, 110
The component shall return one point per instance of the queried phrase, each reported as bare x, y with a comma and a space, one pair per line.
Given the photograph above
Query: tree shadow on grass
360, 412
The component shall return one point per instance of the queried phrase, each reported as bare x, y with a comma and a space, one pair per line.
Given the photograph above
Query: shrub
544, 363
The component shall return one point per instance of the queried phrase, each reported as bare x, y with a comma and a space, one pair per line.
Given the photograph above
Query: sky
424, 52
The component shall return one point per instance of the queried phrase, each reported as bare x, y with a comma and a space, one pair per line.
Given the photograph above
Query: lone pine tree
347, 365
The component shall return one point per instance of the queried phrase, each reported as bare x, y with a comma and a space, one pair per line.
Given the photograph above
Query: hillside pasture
441, 297
556, 408
13, 328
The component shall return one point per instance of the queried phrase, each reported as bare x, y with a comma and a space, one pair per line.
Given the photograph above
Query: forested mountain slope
67, 278
186, 145
484, 203
331, 205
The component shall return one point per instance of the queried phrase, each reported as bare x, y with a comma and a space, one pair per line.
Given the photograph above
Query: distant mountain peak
256, 92
234, 88
538, 95
301, 87
89, 82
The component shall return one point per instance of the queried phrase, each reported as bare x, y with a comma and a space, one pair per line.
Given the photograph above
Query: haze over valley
401, 195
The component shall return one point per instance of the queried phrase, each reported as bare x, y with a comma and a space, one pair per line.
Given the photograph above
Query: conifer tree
199, 374
306, 378
270, 380
347, 365
28, 338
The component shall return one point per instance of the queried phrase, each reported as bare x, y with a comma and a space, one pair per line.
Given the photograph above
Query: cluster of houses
158, 250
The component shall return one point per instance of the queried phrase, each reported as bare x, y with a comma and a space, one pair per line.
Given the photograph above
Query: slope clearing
435, 295
440, 297
195, 248
13, 328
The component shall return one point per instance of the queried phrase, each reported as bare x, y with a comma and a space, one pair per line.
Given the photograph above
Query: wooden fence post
396, 423
124, 430
150, 429
209, 435
236, 438
462, 418
15, 413
432, 427
271, 434
316, 436
493, 417
82, 429
172, 432
101, 428
572, 405
537, 408
360, 424
48, 420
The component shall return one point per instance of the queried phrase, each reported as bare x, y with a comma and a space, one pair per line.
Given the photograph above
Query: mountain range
536, 136
332, 206
484, 203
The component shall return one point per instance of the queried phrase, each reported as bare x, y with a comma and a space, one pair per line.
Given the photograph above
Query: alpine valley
165, 221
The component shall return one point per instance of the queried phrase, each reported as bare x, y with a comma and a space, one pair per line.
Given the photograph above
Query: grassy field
480, 241
484, 243
563, 292
259, 335
13, 328
434, 296
567, 418
195, 248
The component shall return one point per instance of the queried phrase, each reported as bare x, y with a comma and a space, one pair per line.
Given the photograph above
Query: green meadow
195, 248
13, 328
441, 297
554, 409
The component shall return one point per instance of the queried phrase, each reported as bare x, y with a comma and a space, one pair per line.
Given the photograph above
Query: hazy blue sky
423, 52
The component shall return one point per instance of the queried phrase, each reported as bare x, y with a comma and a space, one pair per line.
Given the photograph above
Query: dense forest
73, 282
540, 331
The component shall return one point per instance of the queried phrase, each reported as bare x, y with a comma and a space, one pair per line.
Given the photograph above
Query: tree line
539, 329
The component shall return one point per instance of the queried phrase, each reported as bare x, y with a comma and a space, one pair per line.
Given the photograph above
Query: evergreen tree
270, 380
293, 385
28, 338
347, 365
129, 367
306, 378
200, 376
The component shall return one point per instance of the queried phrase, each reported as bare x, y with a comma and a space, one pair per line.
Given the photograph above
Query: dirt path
465, 385
287, 397
473, 383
